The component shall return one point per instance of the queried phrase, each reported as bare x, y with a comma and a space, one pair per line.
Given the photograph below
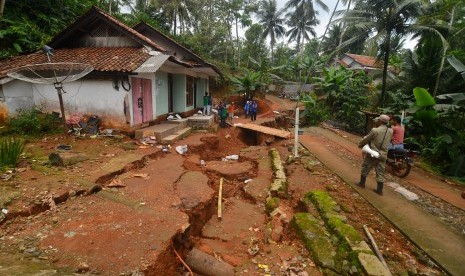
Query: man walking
378, 139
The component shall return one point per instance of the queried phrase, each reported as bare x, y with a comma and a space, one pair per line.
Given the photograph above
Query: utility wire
316, 54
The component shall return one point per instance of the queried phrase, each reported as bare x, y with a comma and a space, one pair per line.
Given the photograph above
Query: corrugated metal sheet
152, 64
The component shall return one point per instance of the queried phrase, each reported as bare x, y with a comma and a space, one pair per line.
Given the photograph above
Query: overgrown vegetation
33, 122
11, 149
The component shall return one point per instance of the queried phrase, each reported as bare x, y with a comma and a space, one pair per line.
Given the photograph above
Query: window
189, 91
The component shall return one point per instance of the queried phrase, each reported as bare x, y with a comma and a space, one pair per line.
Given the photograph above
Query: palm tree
330, 41
384, 20
178, 10
301, 26
306, 6
272, 21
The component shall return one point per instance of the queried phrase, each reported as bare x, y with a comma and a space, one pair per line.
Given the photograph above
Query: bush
352, 97
34, 122
10, 150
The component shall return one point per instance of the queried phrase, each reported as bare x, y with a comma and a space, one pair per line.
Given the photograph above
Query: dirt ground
125, 210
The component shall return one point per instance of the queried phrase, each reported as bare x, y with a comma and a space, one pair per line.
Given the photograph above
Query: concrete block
371, 265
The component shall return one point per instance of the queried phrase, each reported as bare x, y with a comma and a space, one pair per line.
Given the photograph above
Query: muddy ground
131, 209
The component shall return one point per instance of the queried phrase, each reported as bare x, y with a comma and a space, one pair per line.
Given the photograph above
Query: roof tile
122, 59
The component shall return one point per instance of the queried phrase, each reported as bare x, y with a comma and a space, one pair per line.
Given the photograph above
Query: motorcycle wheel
401, 168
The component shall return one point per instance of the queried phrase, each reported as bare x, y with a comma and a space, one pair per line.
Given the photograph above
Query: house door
142, 100
170, 93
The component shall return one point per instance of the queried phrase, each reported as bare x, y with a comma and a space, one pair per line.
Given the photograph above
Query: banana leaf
422, 97
458, 66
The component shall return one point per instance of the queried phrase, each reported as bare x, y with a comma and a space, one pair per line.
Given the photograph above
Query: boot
379, 189
362, 181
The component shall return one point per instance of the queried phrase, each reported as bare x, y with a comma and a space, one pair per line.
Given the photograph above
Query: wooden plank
267, 130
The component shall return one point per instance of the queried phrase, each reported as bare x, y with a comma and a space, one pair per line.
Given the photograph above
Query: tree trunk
444, 51
175, 21
343, 32
2, 7
238, 46
385, 67
66, 158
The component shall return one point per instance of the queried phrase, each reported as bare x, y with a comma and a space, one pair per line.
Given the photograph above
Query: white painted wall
17, 95
86, 97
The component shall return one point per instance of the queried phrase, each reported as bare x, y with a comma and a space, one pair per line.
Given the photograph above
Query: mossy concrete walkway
442, 243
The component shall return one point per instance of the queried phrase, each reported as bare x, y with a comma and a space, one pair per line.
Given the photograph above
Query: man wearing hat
378, 139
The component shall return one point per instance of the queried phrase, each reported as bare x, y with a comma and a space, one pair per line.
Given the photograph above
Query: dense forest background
257, 44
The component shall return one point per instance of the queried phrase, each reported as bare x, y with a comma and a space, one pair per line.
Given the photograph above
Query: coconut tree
300, 28
178, 10
272, 21
384, 20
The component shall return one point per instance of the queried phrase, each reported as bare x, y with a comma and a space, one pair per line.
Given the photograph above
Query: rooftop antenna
52, 73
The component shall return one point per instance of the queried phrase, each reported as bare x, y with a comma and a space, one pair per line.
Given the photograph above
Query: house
139, 74
368, 64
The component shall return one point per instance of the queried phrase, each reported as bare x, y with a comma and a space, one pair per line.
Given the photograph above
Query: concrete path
443, 244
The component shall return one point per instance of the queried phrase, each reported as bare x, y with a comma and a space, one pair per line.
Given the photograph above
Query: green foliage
315, 111
329, 85
354, 96
26, 25
248, 83
10, 150
34, 122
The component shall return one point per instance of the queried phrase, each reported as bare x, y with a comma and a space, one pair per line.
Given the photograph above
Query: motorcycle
400, 161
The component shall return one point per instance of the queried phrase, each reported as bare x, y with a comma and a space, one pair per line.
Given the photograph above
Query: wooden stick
220, 195
182, 261
378, 253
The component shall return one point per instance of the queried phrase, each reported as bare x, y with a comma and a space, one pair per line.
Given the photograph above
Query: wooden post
375, 247
59, 88
220, 195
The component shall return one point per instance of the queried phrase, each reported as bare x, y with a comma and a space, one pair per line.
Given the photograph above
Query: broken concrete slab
316, 239
230, 167
193, 189
372, 266
235, 224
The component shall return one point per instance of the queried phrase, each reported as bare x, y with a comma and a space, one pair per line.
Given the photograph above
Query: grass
11, 149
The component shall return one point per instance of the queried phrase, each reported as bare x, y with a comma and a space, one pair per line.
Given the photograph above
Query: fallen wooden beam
266, 130
205, 264
220, 199
66, 158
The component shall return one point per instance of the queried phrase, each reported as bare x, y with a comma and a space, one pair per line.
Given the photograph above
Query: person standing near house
398, 133
206, 99
253, 110
378, 138
231, 112
246, 109
222, 113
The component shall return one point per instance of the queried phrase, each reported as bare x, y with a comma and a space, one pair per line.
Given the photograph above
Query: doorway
142, 100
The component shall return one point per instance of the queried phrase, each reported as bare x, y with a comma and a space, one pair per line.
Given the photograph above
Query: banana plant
329, 85
248, 83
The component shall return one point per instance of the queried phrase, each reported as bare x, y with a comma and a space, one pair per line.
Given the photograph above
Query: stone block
371, 265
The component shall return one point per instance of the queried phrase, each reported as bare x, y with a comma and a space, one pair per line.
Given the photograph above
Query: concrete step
201, 122
159, 131
170, 139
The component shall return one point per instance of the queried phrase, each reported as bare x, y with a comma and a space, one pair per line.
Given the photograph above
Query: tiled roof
366, 61
122, 59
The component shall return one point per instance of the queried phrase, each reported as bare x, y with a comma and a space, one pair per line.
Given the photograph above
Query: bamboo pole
378, 253
220, 195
